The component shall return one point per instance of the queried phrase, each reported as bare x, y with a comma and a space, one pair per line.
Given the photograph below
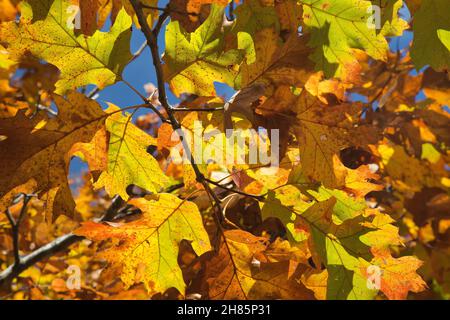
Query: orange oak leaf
398, 275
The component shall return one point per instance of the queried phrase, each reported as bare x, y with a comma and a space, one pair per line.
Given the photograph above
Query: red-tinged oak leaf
398, 275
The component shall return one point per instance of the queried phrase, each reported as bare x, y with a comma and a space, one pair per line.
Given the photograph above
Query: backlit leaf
46, 30
148, 247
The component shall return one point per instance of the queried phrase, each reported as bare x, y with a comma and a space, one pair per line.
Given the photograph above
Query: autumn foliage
358, 207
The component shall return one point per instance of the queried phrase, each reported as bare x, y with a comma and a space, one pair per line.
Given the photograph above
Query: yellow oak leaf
147, 248
317, 282
94, 152
408, 173
128, 159
322, 132
94, 13
46, 31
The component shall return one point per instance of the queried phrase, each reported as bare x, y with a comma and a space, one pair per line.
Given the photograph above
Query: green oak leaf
339, 248
428, 47
337, 27
46, 30
345, 208
283, 204
194, 61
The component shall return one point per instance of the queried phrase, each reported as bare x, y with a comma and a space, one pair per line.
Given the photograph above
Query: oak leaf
147, 248
336, 28
323, 131
194, 61
428, 47
398, 275
46, 31
39, 149
128, 160
235, 273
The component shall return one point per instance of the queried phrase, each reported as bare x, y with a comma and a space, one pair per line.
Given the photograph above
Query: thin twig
15, 225
183, 109
257, 197
138, 52
162, 18
231, 11
57, 245
174, 187
135, 91
92, 94
154, 109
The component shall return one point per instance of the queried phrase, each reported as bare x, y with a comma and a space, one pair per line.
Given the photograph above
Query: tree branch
231, 11
153, 108
57, 245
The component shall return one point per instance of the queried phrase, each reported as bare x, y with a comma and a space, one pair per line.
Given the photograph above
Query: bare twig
135, 90
59, 244
162, 18
15, 225
183, 109
154, 109
93, 92
139, 51
174, 187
